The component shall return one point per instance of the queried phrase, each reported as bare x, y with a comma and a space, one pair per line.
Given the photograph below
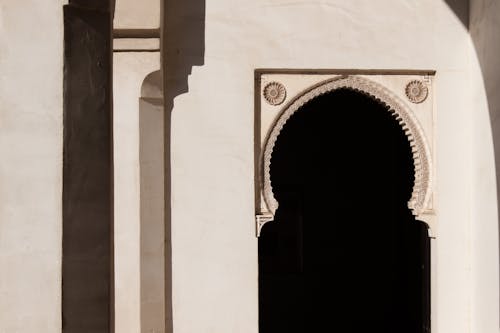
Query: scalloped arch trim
422, 186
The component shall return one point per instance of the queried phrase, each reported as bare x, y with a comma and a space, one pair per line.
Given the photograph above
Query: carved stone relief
416, 91
274, 93
420, 201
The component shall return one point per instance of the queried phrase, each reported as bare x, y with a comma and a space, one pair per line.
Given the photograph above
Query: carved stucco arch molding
422, 187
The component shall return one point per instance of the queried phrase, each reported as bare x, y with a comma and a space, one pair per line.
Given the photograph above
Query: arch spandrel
420, 202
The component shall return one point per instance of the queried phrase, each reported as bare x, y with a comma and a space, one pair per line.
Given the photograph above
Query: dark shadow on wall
183, 44
100, 5
155, 254
461, 10
87, 240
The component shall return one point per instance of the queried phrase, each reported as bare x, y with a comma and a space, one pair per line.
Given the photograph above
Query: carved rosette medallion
416, 91
274, 93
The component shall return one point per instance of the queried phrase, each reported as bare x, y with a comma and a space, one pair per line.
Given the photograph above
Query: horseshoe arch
422, 187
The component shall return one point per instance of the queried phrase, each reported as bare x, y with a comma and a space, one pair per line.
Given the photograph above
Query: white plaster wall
31, 82
130, 70
485, 83
213, 235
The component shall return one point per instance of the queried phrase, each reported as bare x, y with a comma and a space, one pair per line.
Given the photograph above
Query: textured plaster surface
31, 67
485, 82
213, 234
133, 14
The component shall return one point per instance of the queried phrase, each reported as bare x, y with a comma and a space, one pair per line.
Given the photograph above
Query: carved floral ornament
274, 93
422, 188
416, 91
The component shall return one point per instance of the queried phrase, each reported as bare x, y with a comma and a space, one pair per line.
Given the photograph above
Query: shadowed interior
344, 253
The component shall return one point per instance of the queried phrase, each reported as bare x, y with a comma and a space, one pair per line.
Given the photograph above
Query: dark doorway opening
344, 253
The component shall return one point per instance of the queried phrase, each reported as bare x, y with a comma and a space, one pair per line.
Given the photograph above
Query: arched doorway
344, 253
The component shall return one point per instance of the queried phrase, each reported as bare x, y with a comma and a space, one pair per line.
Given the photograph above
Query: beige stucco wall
132, 14
31, 69
485, 32
213, 236
213, 233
